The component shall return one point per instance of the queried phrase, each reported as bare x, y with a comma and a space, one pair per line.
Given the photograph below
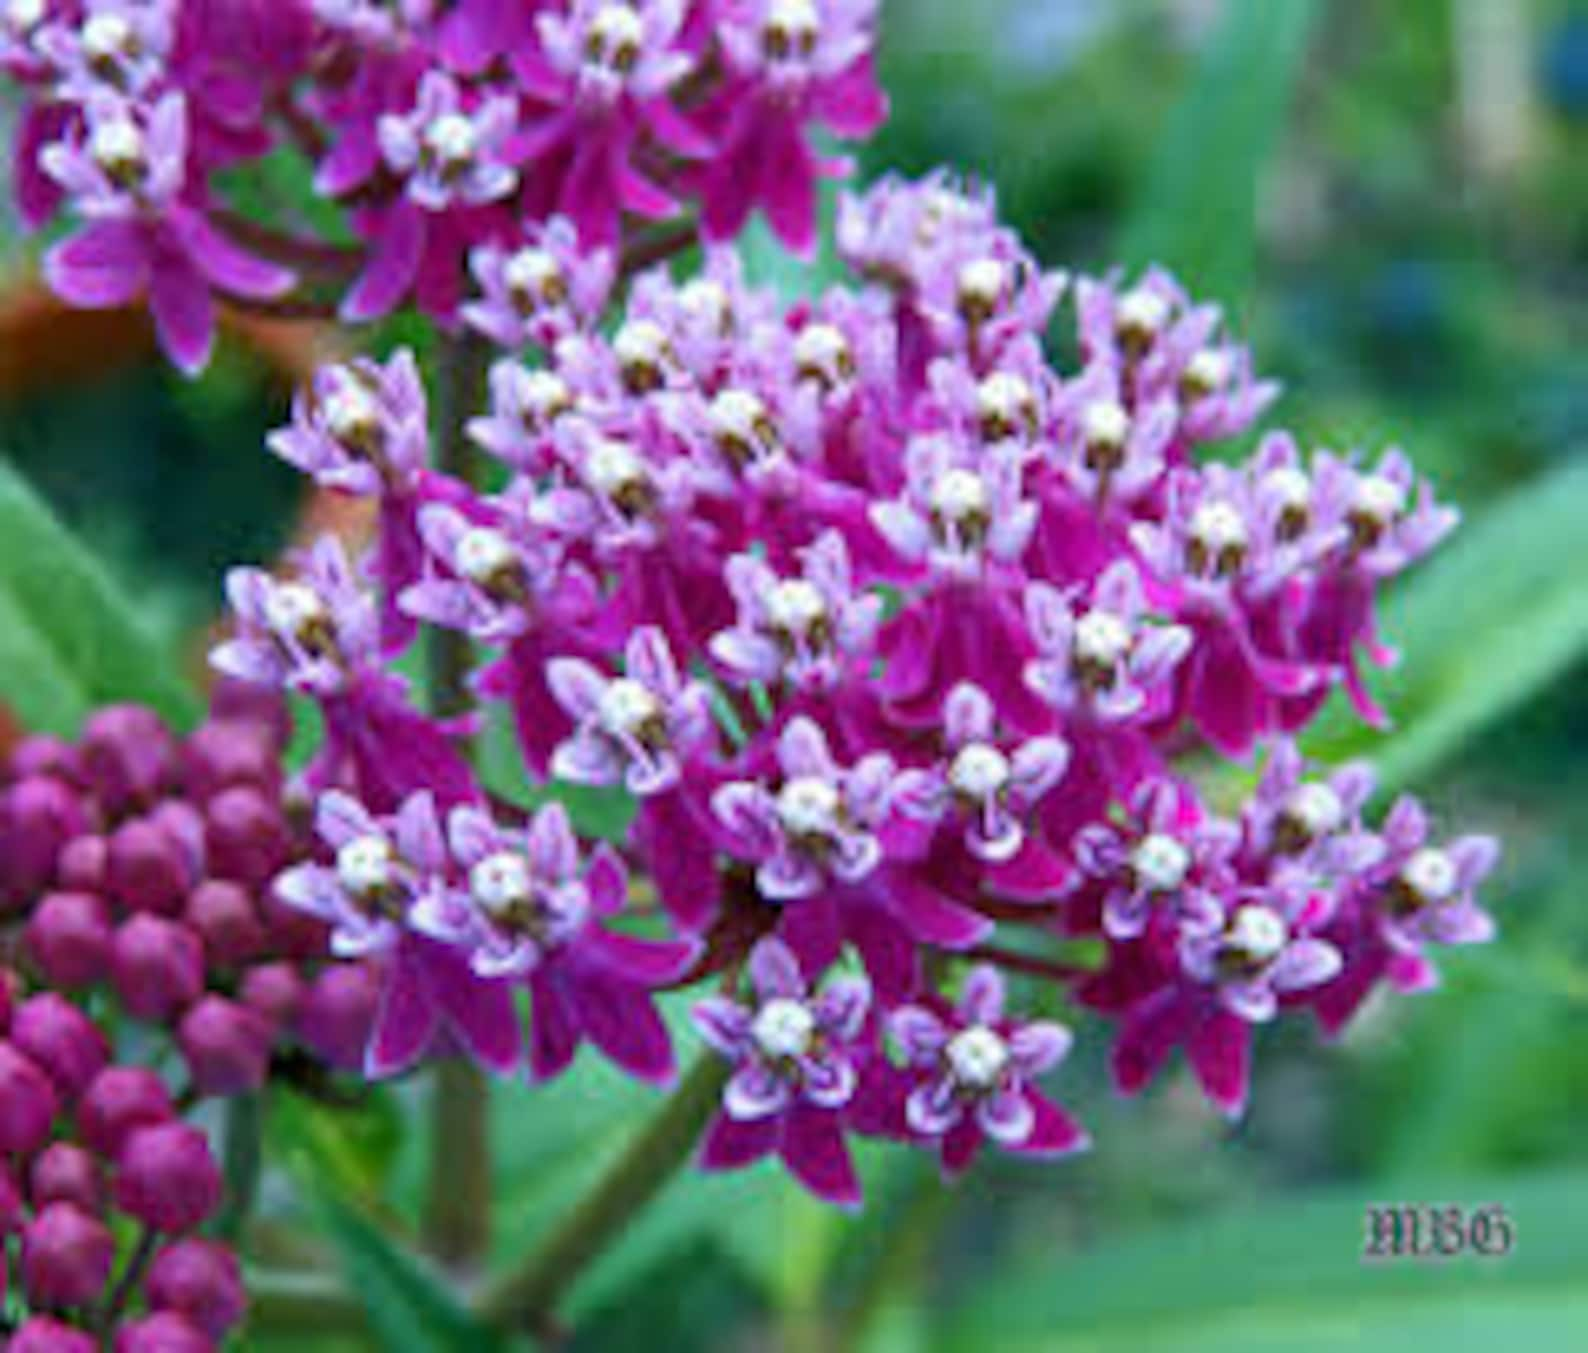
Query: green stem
301, 1303
528, 1297
457, 1219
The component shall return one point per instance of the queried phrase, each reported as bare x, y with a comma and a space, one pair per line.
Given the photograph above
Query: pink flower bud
339, 1014
10, 1205
201, 1281
293, 934
275, 991
128, 756
64, 1173
147, 870
41, 754
82, 865
164, 1332
229, 752
167, 1177
227, 1046
247, 836
8, 990
224, 917
69, 938
61, 1040
184, 824
158, 966
66, 1256
42, 1334
27, 1103
38, 816
121, 1100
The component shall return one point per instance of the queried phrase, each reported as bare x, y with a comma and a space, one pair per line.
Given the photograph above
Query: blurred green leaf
68, 639
1290, 1276
1198, 211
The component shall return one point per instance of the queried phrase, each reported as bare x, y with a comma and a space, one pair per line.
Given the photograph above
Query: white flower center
292, 609
1289, 487
1258, 932
1430, 874
738, 414
1219, 528
1105, 423
1102, 638
705, 300
627, 706
982, 283
1208, 370
1141, 312
616, 34
979, 771
452, 139
364, 865
1316, 808
500, 882
545, 393
23, 16
795, 22
116, 144
808, 806
958, 494
1160, 862
795, 606
1004, 397
533, 272
106, 35
1378, 499
822, 348
484, 554
977, 1057
640, 343
612, 467
783, 1029
350, 411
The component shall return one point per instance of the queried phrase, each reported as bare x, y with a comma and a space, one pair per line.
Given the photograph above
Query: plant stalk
527, 1298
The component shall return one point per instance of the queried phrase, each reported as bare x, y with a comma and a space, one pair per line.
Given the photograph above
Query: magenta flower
970, 1073
540, 290
1313, 822
1256, 957
795, 1055
448, 153
115, 46
526, 404
1109, 452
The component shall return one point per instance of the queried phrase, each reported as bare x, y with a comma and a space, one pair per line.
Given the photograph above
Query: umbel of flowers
892, 636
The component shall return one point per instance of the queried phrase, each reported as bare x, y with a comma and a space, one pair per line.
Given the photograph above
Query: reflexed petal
1305, 963
755, 1091
1038, 1046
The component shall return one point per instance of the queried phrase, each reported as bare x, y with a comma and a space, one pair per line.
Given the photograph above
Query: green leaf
68, 639
1198, 212
412, 1308
1291, 1276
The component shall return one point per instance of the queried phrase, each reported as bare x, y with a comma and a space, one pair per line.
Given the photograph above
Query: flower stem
457, 1218
528, 1296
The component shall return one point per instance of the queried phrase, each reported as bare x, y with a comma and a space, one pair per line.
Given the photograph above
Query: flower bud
184, 824
147, 869
68, 938
226, 1045
246, 702
41, 754
10, 1208
247, 836
274, 991
339, 1014
38, 816
128, 756
167, 1178
158, 967
27, 1103
163, 1332
66, 1256
228, 752
82, 864
121, 1100
64, 1173
42, 1334
61, 1040
223, 916
292, 933
201, 1281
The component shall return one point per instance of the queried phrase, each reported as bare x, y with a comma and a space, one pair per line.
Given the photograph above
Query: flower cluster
145, 864
886, 632
92, 1154
437, 130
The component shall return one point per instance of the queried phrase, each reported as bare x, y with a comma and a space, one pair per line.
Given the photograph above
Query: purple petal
774, 971
1219, 1051
105, 264
1038, 1046
816, 1154
981, 1000
920, 1034
407, 1019
755, 1091
933, 1108
733, 1143
842, 1006
1305, 963
184, 314
1006, 1117
724, 1024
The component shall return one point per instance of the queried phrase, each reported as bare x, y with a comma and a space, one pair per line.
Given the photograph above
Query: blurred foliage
1306, 163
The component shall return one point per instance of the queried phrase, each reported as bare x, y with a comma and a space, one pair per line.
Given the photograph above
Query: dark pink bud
69, 938
247, 702
41, 754
128, 756
67, 1045
42, 1334
275, 991
228, 752
121, 1100
64, 1173
293, 933
339, 1013
10, 1206
201, 1281
158, 966
8, 995
163, 1332
184, 824
38, 816
227, 1046
66, 1256
224, 917
147, 869
247, 836
83, 864
27, 1103
167, 1178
